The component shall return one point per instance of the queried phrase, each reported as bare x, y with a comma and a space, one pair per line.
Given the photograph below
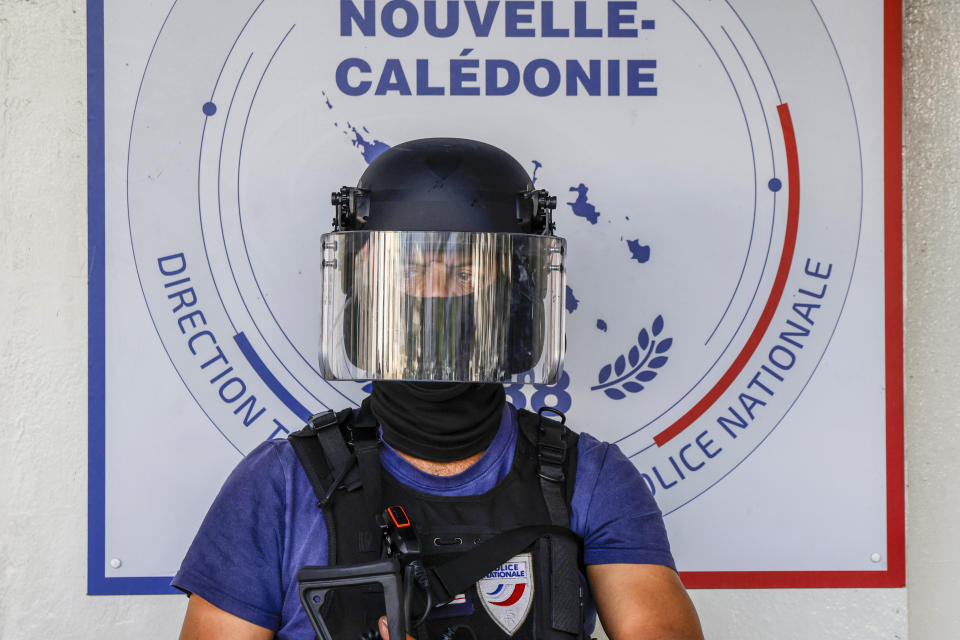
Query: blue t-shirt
264, 524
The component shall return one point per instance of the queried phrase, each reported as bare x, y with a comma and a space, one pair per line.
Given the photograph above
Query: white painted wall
43, 354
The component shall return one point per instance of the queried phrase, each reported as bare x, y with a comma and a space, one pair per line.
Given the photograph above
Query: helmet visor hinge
542, 207
347, 207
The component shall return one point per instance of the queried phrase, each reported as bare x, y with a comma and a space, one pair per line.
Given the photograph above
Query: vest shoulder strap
556, 463
324, 455
556, 446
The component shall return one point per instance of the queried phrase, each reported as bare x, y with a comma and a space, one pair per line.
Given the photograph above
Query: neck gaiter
438, 421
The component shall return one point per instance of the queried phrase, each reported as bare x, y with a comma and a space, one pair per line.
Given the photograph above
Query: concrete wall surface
931, 95
43, 317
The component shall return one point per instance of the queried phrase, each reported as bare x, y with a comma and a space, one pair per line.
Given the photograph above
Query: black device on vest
462, 539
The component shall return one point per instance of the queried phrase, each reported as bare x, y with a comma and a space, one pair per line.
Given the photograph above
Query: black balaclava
438, 421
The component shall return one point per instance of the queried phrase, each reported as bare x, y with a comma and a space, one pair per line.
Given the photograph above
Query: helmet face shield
435, 305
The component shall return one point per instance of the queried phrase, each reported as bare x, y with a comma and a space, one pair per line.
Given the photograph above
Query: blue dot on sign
775, 184
209, 108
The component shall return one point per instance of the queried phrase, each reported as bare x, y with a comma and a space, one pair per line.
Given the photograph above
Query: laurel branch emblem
617, 381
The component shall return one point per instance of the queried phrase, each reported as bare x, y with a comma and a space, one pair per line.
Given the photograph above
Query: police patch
506, 593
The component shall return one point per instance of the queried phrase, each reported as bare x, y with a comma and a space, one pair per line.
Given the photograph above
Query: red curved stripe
776, 293
518, 590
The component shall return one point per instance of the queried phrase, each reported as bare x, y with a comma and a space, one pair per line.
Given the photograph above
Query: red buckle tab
399, 517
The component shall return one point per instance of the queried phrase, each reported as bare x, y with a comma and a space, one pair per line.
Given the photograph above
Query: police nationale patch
506, 593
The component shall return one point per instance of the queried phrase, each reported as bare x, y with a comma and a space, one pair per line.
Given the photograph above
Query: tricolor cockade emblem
507, 592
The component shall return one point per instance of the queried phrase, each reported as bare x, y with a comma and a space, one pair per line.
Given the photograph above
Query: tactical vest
534, 595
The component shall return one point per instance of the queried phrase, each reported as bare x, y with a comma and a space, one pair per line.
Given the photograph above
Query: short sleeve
235, 559
614, 511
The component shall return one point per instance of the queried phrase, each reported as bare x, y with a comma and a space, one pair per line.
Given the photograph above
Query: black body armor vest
340, 454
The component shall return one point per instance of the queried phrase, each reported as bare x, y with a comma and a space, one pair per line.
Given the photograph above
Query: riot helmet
443, 266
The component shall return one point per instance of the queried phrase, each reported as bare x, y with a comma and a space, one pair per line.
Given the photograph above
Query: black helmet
443, 266
445, 184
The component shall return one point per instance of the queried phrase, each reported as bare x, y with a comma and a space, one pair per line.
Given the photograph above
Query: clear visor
451, 306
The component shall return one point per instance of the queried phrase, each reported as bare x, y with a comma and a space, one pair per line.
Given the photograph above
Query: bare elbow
682, 631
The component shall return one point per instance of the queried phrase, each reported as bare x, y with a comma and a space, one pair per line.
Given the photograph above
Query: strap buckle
551, 457
320, 421
553, 453
359, 434
551, 447
551, 472
554, 411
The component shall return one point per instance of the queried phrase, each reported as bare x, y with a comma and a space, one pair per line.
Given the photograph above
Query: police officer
441, 280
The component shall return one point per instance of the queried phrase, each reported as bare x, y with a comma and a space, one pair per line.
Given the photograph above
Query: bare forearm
205, 621
643, 602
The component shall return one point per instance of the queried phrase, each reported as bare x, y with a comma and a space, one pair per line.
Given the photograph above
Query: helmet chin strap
438, 421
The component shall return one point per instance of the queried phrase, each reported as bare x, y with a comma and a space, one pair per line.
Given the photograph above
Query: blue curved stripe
269, 379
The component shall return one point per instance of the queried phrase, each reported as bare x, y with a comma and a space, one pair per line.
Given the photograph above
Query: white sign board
728, 174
